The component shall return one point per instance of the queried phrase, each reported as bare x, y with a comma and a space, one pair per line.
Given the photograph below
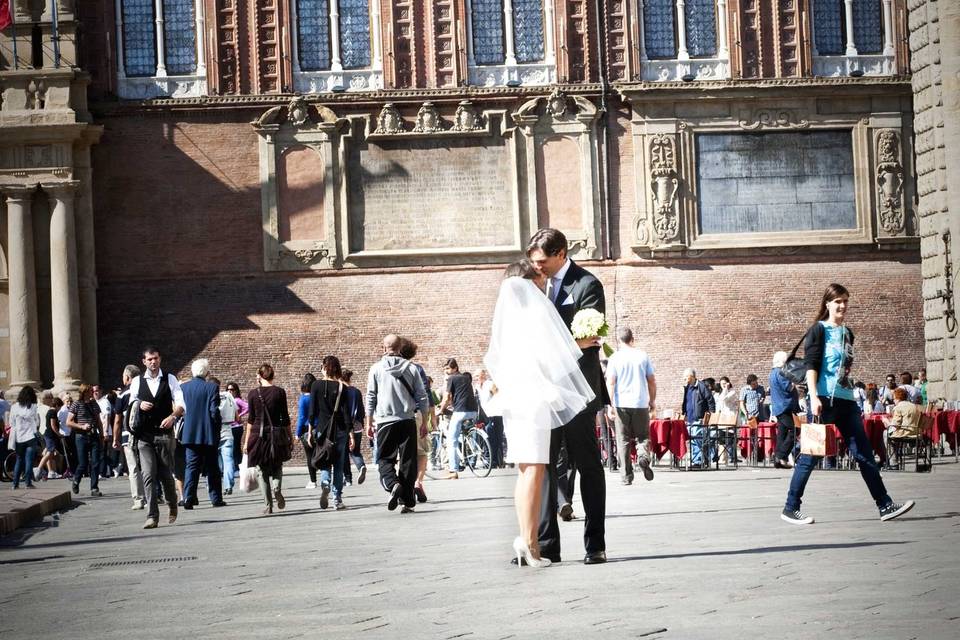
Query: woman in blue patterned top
828, 354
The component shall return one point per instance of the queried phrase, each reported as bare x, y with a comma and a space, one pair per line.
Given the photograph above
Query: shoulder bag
273, 447
323, 441
795, 369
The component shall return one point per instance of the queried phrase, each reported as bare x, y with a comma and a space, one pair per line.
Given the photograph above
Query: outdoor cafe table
763, 437
945, 423
875, 427
668, 435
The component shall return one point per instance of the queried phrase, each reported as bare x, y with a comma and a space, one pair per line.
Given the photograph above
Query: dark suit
579, 289
200, 438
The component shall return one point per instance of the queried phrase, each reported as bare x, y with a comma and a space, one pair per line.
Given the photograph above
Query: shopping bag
817, 440
247, 482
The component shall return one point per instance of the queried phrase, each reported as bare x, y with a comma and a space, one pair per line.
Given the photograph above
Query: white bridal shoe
524, 555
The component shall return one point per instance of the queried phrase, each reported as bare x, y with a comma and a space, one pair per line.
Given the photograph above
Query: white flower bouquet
590, 323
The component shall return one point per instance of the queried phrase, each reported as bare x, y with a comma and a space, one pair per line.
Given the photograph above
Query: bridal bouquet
589, 323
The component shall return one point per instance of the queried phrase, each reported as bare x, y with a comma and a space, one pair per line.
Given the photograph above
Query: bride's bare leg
527, 502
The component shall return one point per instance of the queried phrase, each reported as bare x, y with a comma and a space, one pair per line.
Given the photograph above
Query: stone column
723, 49
336, 64
86, 263
510, 56
161, 51
848, 13
65, 298
682, 53
22, 283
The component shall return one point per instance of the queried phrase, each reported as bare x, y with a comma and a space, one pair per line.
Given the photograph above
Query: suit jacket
201, 419
580, 289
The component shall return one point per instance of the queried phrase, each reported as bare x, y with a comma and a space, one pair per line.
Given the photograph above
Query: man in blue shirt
698, 404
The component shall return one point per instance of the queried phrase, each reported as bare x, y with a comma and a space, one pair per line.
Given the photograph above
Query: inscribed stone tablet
775, 182
431, 194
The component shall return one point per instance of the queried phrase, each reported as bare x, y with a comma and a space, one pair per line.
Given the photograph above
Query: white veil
533, 359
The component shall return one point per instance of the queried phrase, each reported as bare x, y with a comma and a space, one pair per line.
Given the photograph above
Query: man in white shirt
633, 390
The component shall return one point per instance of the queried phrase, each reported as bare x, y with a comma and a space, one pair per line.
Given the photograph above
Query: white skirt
526, 444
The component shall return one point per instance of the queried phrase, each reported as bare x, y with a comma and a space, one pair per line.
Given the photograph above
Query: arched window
337, 45
852, 36
160, 39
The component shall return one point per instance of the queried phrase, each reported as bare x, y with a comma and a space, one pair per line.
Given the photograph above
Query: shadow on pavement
783, 549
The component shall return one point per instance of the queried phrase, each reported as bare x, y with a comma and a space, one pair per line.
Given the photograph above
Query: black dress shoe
180, 503
188, 506
219, 504
597, 557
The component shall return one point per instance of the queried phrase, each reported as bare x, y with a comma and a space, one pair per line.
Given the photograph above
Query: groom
571, 288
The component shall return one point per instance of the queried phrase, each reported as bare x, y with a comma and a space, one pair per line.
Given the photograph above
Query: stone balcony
30, 97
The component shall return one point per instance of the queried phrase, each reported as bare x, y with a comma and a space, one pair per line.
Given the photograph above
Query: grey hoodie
387, 399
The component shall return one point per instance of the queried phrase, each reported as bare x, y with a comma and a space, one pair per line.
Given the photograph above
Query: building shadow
761, 550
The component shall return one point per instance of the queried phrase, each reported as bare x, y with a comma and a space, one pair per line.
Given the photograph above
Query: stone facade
936, 86
256, 224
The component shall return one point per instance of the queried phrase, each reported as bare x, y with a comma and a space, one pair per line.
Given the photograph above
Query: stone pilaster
86, 264
65, 298
22, 283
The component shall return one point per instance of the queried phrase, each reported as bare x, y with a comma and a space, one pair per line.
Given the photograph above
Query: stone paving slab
22, 506
692, 555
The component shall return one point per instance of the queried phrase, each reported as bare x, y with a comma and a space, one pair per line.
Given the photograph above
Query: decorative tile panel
354, 34
487, 23
528, 30
658, 29
701, 23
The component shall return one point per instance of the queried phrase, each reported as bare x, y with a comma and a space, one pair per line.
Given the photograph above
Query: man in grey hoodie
395, 394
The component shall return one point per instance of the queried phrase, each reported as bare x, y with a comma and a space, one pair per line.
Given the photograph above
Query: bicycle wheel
476, 452
8, 465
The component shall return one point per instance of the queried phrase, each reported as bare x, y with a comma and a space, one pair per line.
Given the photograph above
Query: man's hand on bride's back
586, 343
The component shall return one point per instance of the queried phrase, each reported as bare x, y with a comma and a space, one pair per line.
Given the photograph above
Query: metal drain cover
130, 563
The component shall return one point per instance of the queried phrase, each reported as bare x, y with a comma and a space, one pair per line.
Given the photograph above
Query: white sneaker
311, 485
53, 475
137, 505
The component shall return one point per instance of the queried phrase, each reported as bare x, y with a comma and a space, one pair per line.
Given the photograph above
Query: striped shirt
87, 413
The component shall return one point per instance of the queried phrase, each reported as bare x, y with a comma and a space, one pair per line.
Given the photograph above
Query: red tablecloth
668, 435
875, 428
945, 423
766, 433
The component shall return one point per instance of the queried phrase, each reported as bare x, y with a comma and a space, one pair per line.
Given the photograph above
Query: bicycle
473, 445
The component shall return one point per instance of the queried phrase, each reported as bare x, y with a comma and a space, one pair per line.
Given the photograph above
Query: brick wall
181, 266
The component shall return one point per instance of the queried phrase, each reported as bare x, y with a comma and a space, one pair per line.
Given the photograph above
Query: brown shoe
151, 523
173, 513
281, 503
452, 475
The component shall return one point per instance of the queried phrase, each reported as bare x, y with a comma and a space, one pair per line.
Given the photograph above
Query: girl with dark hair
330, 413
828, 354
268, 419
24, 423
237, 427
354, 400
303, 425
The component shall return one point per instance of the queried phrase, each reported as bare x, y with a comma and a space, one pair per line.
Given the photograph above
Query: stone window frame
162, 85
851, 62
684, 66
670, 190
336, 78
512, 73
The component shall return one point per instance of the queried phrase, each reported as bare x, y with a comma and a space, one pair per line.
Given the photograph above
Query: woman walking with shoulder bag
828, 356
24, 423
267, 439
330, 414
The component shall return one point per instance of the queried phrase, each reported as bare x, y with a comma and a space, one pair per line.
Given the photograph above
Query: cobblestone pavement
692, 555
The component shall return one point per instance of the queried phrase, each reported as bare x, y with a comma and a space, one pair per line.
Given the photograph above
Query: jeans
353, 455
335, 464
786, 435
202, 459
699, 443
227, 473
25, 453
88, 460
453, 438
846, 415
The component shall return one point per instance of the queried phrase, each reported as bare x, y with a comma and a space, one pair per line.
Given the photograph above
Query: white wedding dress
533, 361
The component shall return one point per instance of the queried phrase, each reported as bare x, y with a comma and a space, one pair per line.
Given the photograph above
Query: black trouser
398, 441
70, 452
495, 436
354, 455
308, 453
786, 435
580, 437
566, 476
237, 432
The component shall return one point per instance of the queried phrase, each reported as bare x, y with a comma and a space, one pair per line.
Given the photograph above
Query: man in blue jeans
697, 404
460, 397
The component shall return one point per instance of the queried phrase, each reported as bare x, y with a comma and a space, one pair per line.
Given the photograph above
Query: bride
532, 360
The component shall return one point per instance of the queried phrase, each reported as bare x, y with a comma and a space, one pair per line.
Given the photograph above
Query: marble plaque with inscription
775, 182
431, 194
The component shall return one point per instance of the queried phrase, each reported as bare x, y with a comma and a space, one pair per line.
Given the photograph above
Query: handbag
248, 476
795, 369
322, 454
274, 446
818, 440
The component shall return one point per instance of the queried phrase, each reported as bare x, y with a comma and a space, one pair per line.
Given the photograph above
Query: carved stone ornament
428, 119
665, 185
309, 256
889, 182
557, 104
466, 119
772, 119
389, 120
298, 112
